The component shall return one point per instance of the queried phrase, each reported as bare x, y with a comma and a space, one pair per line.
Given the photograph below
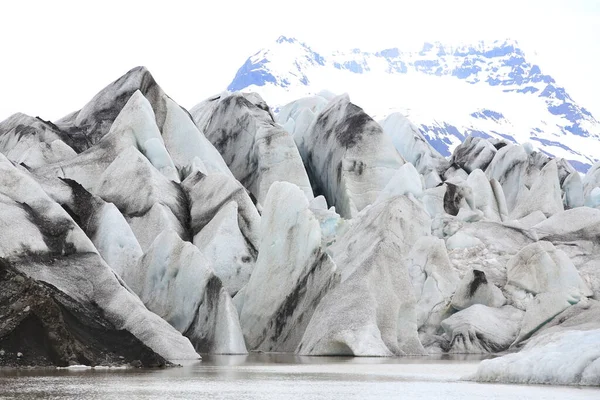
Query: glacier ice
544, 195
474, 288
136, 197
539, 267
348, 157
187, 145
256, 149
590, 182
559, 358
41, 227
487, 198
222, 242
573, 191
87, 126
411, 144
482, 329
306, 228
474, 153
225, 225
291, 275
33, 142
433, 279
541, 309
406, 180
371, 312
176, 281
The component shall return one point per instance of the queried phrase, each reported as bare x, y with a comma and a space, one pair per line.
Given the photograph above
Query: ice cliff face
487, 90
318, 231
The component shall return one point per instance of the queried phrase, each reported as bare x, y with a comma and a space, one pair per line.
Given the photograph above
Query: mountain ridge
517, 101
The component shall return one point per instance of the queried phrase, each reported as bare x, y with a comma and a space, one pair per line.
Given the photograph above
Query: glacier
312, 227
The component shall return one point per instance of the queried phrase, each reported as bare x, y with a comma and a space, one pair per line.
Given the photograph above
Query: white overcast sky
57, 54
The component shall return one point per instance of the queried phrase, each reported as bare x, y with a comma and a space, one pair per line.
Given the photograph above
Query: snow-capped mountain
485, 90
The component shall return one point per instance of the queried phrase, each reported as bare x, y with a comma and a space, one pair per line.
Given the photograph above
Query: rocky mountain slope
487, 89
317, 231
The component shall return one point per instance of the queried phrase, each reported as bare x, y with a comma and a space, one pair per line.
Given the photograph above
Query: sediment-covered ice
348, 157
558, 358
176, 281
47, 245
334, 235
372, 311
257, 150
291, 275
474, 153
482, 329
474, 288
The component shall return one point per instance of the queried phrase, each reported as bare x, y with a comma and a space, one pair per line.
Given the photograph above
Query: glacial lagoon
280, 376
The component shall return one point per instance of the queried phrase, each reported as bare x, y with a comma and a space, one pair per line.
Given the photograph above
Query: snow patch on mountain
486, 89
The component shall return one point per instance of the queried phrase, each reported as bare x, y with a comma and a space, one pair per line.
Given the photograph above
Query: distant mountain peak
479, 81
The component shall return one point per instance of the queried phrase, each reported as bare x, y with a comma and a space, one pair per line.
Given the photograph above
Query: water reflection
278, 376
287, 358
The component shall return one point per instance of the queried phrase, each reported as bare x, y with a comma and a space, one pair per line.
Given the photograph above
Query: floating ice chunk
559, 358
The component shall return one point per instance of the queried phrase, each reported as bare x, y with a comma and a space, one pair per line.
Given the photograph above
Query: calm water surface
279, 377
